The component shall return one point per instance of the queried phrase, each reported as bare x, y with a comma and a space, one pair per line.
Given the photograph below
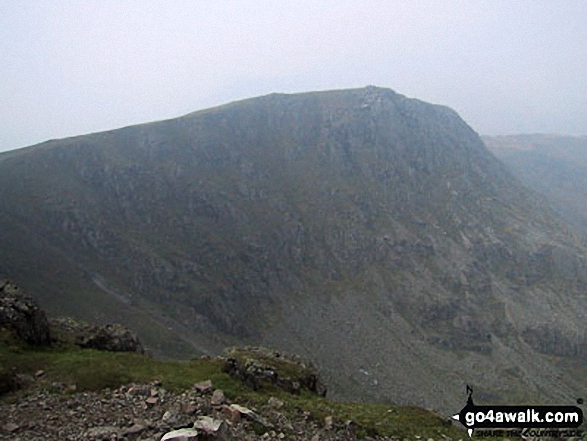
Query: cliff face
372, 231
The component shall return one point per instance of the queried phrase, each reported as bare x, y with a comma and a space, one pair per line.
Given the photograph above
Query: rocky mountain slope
87, 383
373, 231
553, 165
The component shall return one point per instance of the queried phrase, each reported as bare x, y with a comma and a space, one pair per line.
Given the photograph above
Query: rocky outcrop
22, 316
112, 337
255, 366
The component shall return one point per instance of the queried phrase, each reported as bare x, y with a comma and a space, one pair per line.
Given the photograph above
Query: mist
70, 68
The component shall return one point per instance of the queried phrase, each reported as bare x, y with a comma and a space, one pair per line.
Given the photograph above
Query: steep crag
372, 231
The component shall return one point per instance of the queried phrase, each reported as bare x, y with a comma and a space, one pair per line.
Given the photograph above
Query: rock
212, 429
135, 429
151, 401
232, 414
114, 337
173, 418
218, 398
58, 386
20, 314
203, 386
329, 423
276, 403
143, 391
40, 373
101, 432
255, 366
24, 380
253, 416
208, 424
189, 408
10, 427
180, 434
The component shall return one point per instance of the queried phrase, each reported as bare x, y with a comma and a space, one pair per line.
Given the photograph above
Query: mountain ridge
361, 225
553, 165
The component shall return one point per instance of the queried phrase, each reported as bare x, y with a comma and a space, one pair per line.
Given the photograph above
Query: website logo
521, 420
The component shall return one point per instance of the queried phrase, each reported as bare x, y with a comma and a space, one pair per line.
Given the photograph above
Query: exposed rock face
368, 231
20, 314
115, 337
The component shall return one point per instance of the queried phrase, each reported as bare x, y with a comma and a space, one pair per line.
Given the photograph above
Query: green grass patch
372, 419
94, 370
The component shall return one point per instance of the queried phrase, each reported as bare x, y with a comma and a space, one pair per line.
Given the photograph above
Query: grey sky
74, 67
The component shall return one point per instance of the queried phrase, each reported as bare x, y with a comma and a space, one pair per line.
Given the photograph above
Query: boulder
218, 398
115, 338
256, 366
203, 386
21, 315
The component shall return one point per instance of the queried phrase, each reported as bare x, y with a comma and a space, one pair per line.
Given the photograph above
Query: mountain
372, 233
553, 165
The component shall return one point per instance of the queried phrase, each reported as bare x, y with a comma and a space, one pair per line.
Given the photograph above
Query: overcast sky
74, 67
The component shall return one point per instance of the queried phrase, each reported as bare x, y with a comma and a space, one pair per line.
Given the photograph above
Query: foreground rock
123, 414
21, 315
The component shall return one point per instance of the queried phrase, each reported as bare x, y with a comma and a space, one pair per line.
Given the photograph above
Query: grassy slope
94, 370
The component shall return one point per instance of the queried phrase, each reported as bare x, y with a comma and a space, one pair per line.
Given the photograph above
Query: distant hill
554, 165
372, 232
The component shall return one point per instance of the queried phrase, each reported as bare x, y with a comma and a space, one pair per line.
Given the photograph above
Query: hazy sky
74, 67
